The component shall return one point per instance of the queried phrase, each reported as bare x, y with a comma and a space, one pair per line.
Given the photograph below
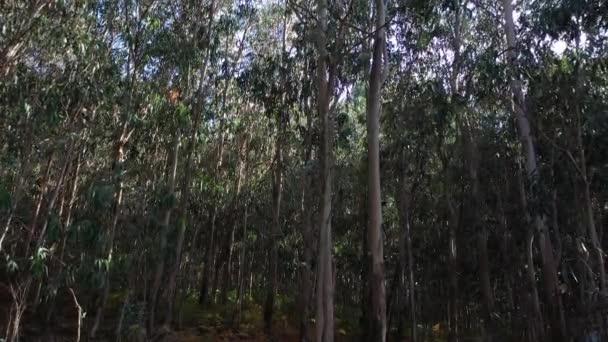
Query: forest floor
197, 324
210, 324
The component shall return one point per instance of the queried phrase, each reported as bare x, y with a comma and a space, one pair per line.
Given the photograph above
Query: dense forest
303, 170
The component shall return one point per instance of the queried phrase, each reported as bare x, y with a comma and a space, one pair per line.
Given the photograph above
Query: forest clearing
303, 170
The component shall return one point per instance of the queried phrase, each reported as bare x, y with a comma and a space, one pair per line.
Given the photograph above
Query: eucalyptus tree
374, 238
414, 170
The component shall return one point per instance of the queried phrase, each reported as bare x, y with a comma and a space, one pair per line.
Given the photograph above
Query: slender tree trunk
374, 230
477, 203
23, 174
73, 191
557, 326
585, 175
227, 270
412, 288
118, 161
117, 165
307, 253
365, 295
241, 273
535, 322
454, 294
486, 287
49, 213
324, 323
242, 152
43, 187
274, 235
507, 248
208, 269
182, 223
187, 180
582, 169
53, 200
406, 259
218, 262
166, 220
277, 193
471, 154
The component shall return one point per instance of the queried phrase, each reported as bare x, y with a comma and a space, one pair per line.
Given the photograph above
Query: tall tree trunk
67, 160
242, 152
182, 223
277, 190
557, 326
477, 204
507, 251
307, 236
26, 166
535, 322
184, 202
218, 262
203, 297
238, 315
406, 259
412, 288
324, 323
365, 295
118, 160
60, 264
117, 164
374, 230
166, 220
586, 177
197, 106
454, 294
73, 191
43, 187
471, 154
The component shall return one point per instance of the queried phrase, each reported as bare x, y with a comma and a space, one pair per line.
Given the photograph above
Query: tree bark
197, 106
24, 171
240, 179
586, 177
374, 230
43, 187
241, 272
406, 259
307, 236
549, 267
277, 191
454, 294
324, 324
535, 322
56, 192
117, 164
477, 203
203, 297
166, 220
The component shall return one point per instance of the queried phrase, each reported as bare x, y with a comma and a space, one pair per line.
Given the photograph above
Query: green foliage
11, 265
101, 196
103, 74
38, 261
5, 197
167, 200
